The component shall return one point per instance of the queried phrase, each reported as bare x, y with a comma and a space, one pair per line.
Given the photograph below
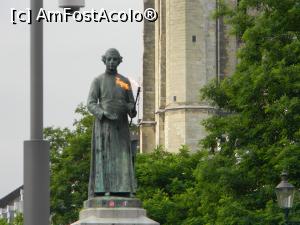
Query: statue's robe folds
111, 160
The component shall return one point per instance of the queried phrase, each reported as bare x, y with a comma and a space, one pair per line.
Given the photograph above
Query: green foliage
259, 130
166, 184
18, 220
70, 157
3, 222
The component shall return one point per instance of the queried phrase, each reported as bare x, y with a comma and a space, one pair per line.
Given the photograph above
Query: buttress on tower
183, 50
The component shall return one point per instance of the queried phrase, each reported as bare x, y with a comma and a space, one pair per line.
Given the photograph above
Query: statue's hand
131, 110
111, 116
133, 113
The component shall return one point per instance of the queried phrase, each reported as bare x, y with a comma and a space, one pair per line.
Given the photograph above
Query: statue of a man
111, 100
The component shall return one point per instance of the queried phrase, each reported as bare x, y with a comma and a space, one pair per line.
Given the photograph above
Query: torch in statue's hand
136, 99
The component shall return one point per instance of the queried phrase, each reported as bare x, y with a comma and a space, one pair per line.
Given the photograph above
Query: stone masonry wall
160, 71
183, 52
147, 125
175, 73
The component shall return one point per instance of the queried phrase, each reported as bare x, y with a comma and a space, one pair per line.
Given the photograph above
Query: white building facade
12, 204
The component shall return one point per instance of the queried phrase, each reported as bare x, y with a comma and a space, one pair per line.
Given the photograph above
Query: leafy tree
166, 184
259, 133
18, 220
3, 221
70, 156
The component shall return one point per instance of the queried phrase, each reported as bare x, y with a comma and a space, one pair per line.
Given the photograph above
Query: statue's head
112, 59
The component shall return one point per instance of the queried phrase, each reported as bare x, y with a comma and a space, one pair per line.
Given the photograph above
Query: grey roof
10, 197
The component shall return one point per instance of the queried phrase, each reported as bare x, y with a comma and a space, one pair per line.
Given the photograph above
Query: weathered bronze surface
111, 100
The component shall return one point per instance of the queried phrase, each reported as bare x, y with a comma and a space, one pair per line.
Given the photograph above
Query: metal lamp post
285, 195
36, 150
72, 5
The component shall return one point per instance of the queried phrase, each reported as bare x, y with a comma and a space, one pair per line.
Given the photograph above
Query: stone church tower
183, 50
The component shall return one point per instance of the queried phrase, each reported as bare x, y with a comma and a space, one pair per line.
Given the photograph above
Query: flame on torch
133, 82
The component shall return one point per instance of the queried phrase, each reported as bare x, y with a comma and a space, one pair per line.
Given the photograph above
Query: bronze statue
111, 100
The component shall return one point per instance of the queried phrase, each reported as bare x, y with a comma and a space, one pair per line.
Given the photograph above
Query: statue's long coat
111, 160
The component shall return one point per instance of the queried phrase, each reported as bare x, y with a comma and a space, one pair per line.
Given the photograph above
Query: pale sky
72, 58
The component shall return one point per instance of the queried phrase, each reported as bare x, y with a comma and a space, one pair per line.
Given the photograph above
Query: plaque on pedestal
113, 211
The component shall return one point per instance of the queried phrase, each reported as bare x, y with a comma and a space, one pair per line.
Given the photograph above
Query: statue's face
112, 60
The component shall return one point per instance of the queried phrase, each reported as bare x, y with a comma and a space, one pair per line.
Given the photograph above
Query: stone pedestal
113, 211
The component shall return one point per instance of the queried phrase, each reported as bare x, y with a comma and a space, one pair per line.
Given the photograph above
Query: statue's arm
130, 105
92, 102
